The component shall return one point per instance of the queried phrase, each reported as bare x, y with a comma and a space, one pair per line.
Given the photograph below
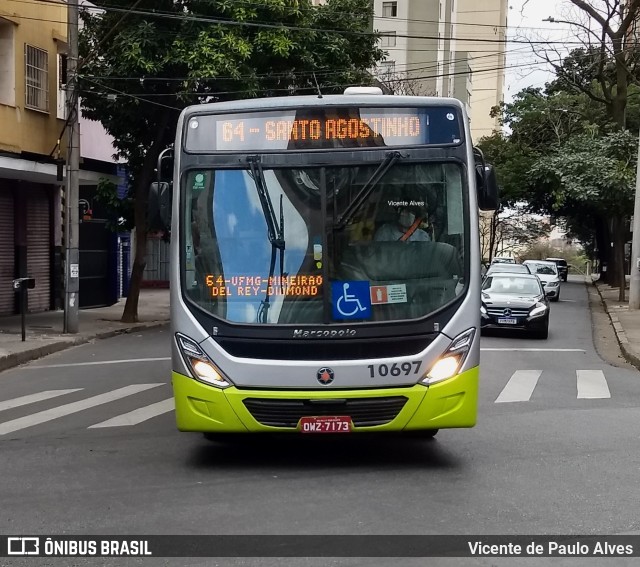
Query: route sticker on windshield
198, 182
351, 300
395, 293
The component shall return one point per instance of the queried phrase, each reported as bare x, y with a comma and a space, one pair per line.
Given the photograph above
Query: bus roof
253, 104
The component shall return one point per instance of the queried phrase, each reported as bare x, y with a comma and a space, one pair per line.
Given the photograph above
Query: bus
324, 265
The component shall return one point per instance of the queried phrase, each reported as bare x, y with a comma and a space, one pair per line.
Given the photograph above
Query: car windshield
512, 268
511, 285
544, 269
503, 261
398, 254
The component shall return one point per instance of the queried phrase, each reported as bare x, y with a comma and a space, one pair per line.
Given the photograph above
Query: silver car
548, 274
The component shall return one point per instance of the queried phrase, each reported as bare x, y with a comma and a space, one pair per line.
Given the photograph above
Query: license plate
325, 424
505, 321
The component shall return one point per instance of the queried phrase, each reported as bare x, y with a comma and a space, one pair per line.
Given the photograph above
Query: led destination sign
258, 286
328, 129
322, 128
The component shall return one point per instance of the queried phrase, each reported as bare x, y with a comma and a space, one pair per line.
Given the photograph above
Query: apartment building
33, 45
423, 58
32, 48
482, 33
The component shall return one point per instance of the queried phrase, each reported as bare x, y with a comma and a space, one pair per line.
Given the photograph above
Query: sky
525, 21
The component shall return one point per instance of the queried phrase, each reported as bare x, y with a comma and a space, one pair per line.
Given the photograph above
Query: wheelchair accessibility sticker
351, 300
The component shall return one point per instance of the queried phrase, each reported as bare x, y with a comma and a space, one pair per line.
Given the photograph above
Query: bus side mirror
160, 199
487, 187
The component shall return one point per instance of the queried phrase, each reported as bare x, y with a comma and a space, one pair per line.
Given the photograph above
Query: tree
140, 66
509, 231
393, 82
541, 122
603, 70
589, 174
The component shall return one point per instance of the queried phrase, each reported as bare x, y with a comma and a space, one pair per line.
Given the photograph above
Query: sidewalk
625, 323
44, 330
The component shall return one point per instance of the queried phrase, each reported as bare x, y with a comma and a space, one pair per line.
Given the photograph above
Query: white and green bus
325, 273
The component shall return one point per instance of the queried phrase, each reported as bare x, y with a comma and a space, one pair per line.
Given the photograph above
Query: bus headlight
452, 359
201, 366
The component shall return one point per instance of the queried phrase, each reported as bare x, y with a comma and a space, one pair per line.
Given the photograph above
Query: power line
293, 9
419, 66
310, 87
280, 26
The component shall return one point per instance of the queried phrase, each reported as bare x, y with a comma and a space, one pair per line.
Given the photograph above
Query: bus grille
364, 412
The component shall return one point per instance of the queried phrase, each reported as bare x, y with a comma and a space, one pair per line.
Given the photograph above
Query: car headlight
483, 310
451, 359
554, 284
201, 366
538, 309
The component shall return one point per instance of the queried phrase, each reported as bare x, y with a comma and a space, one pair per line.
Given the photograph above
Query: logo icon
23, 545
507, 312
325, 376
351, 300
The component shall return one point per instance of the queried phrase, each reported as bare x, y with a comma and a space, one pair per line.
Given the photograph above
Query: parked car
515, 301
549, 276
508, 268
503, 260
563, 267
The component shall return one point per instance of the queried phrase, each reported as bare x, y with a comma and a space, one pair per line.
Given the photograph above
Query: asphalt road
88, 446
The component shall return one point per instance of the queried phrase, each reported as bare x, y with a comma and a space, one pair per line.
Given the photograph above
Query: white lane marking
97, 363
519, 387
533, 349
592, 384
67, 409
33, 398
138, 416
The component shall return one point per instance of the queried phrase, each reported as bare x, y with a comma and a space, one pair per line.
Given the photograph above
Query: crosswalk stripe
33, 398
139, 415
67, 409
97, 363
520, 386
592, 384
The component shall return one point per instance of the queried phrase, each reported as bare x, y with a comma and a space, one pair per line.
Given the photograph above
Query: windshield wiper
367, 188
275, 231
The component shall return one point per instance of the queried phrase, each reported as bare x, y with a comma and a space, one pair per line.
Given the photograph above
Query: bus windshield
323, 245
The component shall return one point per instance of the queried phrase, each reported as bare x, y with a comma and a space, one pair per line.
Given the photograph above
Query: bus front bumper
447, 404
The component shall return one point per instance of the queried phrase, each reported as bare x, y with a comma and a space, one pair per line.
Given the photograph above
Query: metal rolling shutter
7, 251
39, 249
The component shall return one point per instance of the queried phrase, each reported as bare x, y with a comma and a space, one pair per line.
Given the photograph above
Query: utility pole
634, 260
72, 220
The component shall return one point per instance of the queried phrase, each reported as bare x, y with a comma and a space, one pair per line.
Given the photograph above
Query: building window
388, 39
387, 68
7, 64
62, 86
36, 63
389, 9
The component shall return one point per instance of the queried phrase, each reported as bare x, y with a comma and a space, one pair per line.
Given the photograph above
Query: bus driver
404, 229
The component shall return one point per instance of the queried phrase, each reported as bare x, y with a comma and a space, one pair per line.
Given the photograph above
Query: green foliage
590, 173
119, 211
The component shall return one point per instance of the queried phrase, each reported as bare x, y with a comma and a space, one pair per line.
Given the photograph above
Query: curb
621, 336
16, 359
